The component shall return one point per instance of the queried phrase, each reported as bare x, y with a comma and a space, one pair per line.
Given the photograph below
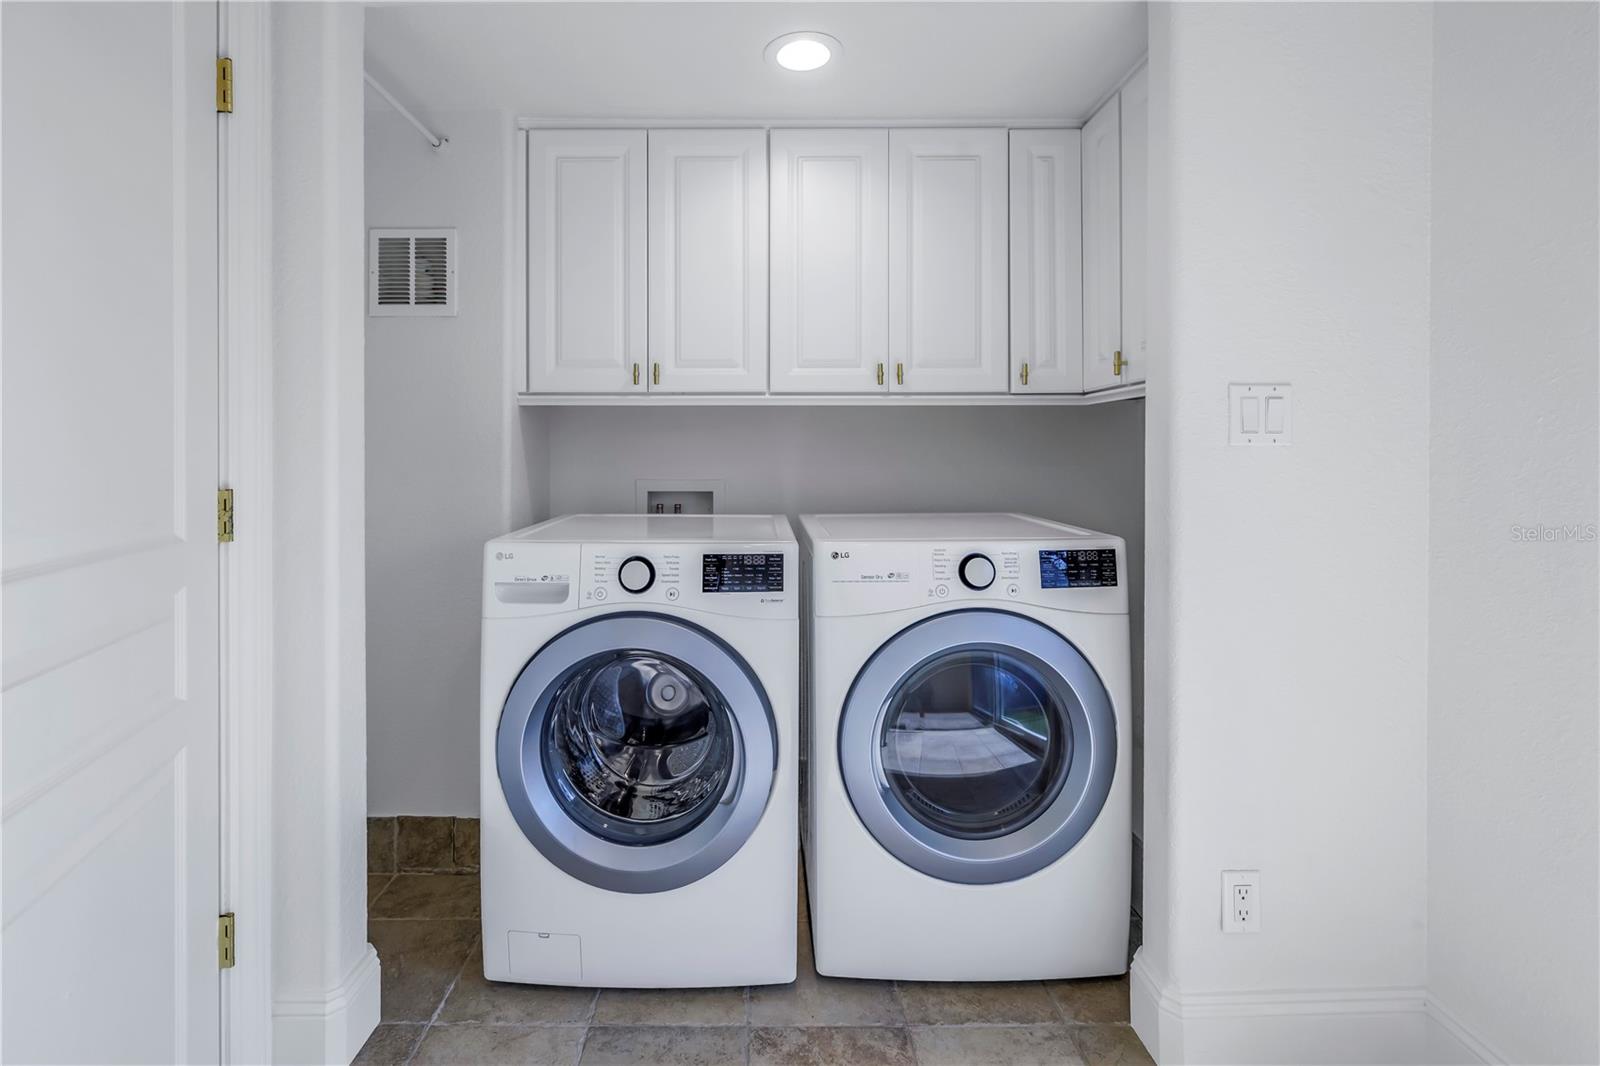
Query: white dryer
967, 796
639, 751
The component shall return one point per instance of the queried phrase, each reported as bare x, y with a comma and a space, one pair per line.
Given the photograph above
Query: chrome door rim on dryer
520, 746
1078, 793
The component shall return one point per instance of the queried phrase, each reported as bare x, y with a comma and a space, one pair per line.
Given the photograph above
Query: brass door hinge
224, 85
224, 515
1118, 364
225, 934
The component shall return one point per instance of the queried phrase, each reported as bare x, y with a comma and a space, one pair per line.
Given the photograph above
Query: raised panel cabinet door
947, 260
1135, 225
1046, 261
109, 417
586, 261
708, 260
830, 261
1102, 249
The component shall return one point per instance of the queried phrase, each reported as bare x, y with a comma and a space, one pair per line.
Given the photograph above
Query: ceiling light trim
802, 38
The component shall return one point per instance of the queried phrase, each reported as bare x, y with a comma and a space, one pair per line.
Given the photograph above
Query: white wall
1512, 821
325, 979
1287, 645
446, 469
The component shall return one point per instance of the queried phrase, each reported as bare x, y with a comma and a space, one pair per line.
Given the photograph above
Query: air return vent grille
412, 272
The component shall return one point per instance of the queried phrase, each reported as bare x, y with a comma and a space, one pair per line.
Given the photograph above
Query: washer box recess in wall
1261, 415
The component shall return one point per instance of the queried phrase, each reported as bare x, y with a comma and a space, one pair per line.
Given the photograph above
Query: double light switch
1259, 414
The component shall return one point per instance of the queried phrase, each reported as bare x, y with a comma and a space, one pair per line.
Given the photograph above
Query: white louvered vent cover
412, 272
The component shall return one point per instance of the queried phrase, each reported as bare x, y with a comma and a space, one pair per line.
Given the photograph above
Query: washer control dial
977, 571
636, 574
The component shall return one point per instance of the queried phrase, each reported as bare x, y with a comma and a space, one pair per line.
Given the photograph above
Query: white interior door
1046, 261
1102, 249
830, 260
947, 260
708, 260
586, 261
110, 663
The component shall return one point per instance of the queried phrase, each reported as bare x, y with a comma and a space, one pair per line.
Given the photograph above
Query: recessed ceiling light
803, 51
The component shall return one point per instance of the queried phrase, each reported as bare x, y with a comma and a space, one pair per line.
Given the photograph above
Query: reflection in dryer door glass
975, 744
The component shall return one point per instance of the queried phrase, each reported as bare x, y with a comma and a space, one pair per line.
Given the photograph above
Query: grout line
379, 894
434, 1017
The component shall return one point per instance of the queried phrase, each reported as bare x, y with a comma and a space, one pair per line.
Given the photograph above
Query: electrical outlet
1241, 901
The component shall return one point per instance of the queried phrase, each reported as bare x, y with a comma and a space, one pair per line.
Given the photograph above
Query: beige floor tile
1110, 1045
826, 1047
1011, 1045
1000, 1003
477, 999
419, 959
534, 1046
429, 896
816, 1000
664, 1046
390, 1045
1096, 1000
670, 1006
376, 883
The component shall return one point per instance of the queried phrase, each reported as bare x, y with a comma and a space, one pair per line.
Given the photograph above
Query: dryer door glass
975, 744
978, 746
639, 748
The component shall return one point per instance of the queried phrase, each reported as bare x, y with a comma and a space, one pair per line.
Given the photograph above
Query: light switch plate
1261, 415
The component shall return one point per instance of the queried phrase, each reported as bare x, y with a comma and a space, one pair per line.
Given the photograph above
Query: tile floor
437, 1008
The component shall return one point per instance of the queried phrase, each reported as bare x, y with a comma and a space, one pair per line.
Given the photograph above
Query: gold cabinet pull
1024, 373
880, 373
636, 373
1118, 364
899, 373
655, 373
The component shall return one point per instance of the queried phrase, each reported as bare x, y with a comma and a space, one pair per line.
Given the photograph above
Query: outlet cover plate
1232, 920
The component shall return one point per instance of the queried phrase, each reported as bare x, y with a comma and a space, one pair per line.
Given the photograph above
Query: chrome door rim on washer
1058, 826
630, 867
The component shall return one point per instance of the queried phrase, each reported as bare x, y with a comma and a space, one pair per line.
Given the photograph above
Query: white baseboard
329, 1028
1336, 1025
1450, 1041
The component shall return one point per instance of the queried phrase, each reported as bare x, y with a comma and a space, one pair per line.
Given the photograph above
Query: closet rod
433, 138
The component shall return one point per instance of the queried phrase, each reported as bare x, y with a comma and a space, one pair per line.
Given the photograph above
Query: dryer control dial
977, 571
636, 574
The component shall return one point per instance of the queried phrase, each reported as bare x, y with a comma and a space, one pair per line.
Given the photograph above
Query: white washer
639, 751
967, 784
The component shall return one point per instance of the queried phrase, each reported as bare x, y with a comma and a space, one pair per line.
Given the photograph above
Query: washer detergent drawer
545, 958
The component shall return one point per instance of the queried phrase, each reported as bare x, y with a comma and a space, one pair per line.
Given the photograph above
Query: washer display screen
1076, 568
759, 572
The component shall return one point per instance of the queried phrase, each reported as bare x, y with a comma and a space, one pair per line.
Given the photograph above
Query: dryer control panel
1087, 574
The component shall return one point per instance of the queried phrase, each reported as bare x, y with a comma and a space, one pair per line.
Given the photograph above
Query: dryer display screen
761, 572
1076, 568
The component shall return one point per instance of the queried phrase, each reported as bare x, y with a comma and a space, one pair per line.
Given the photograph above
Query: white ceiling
944, 61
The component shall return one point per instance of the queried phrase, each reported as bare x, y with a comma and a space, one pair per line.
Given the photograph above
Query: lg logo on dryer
841, 555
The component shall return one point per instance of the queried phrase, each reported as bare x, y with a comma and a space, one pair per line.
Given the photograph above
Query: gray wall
1512, 666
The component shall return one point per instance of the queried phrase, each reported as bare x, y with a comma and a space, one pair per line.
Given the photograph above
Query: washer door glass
639, 747
978, 746
636, 752
975, 744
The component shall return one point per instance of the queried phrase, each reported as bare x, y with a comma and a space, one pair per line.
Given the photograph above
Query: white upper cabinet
830, 261
1135, 225
1102, 250
586, 261
947, 260
1046, 261
708, 260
